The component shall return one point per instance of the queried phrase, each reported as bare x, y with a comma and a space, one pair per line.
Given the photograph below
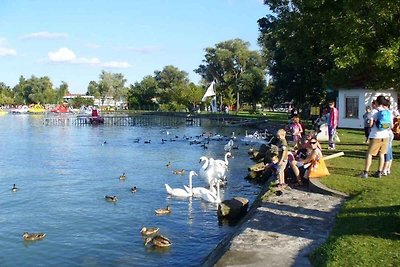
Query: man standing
332, 123
378, 138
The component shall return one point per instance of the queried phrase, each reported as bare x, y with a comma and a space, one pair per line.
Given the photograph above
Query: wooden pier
122, 120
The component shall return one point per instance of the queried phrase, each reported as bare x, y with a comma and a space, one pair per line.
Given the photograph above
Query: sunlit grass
367, 229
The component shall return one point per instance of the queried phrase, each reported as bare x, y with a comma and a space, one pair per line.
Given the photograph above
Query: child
367, 118
296, 129
282, 156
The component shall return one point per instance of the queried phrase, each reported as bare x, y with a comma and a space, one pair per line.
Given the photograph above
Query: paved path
282, 231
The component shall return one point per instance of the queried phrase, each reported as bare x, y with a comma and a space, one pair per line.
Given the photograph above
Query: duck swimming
168, 165
158, 241
134, 189
179, 172
122, 177
14, 188
111, 198
149, 231
33, 236
162, 211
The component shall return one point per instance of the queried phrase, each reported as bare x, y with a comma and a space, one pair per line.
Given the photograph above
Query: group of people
378, 124
304, 160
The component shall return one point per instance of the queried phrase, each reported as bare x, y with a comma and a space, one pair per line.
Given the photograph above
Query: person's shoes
377, 174
331, 148
364, 175
384, 173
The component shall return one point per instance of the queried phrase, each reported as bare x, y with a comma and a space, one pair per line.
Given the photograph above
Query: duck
122, 177
147, 141
163, 211
158, 241
179, 172
136, 140
168, 165
111, 198
149, 231
14, 188
33, 236
134, 189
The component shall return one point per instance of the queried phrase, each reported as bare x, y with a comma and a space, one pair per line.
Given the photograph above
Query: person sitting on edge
301, 165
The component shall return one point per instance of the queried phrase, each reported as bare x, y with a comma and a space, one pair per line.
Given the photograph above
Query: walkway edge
225, 243
316, 186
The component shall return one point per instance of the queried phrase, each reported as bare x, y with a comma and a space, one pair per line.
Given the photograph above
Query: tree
313, 45
93, 89
6, 95
143, 93
225, 63
111, 84
253, 85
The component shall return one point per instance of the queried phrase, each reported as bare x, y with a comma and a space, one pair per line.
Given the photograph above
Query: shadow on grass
381, 222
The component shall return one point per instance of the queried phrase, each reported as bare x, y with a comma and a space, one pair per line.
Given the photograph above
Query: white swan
179, 192
210, 196
229, 145
207, 171
197, 191
221, 166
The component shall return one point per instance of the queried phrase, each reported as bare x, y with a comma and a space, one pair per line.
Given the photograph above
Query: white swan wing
177, 192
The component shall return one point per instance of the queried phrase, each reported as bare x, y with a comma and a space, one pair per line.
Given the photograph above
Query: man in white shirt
378, 140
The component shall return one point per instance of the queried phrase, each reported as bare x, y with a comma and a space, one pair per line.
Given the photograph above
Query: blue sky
74, 40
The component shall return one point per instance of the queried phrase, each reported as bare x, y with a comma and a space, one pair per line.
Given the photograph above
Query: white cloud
116, 64
45, 35
4, 51
7, 52
62, 55
65, 55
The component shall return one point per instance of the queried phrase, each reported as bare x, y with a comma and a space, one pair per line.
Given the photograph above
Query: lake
64, 172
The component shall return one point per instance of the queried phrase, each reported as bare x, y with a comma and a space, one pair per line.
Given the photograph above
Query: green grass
367, 229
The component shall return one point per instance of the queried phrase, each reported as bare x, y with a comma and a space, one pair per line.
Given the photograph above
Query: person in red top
332, 123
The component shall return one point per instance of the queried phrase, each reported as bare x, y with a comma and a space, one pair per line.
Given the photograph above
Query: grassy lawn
367, 229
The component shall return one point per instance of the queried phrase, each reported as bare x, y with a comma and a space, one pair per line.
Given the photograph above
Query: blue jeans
331, 134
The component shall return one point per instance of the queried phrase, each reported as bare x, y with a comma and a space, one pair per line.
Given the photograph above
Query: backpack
384, 120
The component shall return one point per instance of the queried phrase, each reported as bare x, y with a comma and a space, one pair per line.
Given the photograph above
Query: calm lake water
64, 172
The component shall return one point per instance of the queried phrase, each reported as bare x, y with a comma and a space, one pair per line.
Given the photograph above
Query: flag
210, 92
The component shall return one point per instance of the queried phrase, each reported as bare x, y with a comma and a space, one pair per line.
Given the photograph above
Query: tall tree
314, 45
225, 63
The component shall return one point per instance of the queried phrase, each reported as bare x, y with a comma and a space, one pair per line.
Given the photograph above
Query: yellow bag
318, 169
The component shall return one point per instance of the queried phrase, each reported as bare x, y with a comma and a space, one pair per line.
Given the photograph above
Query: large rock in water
233, 208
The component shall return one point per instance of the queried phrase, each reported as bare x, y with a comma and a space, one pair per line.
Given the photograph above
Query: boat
36, 108
20, 110
62, 108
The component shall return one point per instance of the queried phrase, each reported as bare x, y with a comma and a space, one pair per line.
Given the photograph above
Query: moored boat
36, 108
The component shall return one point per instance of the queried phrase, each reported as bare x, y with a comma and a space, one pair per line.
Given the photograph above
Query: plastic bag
318, 169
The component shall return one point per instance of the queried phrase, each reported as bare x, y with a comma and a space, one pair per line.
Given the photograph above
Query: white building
351, 104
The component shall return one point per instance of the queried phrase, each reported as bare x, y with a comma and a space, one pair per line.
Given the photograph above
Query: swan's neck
205, 164
218, 193
226, 159
190, 183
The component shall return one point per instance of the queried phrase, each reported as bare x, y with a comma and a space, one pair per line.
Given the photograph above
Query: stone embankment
281, 230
